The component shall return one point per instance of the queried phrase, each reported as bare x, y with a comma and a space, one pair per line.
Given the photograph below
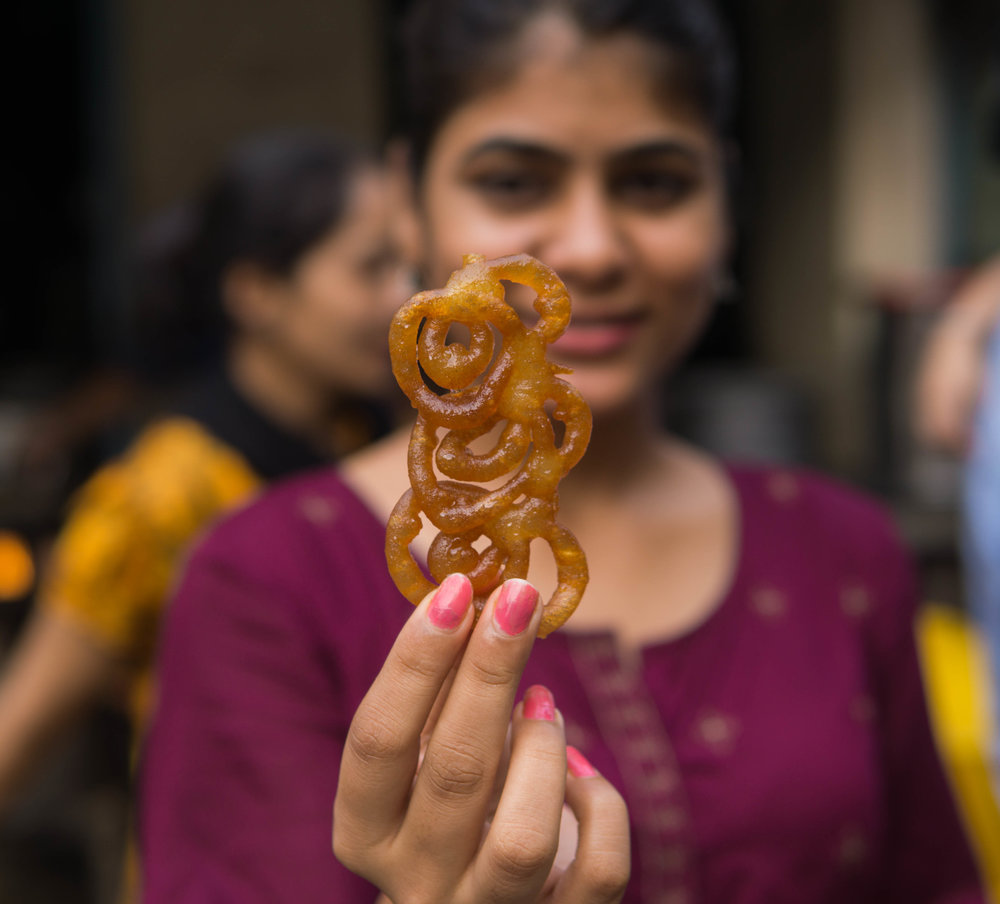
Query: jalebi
478, 389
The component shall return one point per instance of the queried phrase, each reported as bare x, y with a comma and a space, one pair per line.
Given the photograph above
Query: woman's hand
431, 809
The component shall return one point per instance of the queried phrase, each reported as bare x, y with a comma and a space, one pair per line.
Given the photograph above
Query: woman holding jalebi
738, 689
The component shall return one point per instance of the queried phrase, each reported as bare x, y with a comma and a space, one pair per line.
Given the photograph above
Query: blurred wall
789, 66
852, 193
889, 215
198, 73
889, 152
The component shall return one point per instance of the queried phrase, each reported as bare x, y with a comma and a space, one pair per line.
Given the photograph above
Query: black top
270, 450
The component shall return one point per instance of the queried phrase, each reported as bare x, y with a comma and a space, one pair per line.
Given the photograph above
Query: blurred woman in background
958, 410
283, 277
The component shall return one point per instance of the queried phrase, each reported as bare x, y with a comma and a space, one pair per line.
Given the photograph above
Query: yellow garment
115, 561
954, 665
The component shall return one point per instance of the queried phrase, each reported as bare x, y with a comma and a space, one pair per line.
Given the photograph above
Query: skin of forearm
54, 675
976, 308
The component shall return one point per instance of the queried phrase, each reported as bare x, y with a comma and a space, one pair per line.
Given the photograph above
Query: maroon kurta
778, 753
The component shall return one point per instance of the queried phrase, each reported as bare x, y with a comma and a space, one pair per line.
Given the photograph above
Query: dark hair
454, 48
268, 201
993, 119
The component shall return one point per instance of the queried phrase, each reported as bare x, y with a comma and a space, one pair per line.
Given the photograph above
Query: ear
403, 194
252, 297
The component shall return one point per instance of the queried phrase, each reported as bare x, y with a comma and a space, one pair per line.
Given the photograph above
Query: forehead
575, 93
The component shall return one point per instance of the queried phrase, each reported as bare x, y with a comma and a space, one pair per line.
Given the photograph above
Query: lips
597, 337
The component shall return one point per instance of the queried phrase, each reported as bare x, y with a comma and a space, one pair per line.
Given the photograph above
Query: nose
397, 285
587, 245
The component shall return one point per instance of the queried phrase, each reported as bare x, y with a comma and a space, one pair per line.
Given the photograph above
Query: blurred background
868, 187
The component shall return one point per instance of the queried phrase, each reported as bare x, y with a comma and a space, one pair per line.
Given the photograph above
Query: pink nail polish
450, 603
515, 606
579, 767
539, 704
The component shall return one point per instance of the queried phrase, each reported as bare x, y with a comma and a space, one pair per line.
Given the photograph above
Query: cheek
458, 225
682, 262
685, 252
317, 333
330, 300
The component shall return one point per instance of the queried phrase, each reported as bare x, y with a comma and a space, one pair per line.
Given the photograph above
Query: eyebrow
516, 146
659, 148
526, 148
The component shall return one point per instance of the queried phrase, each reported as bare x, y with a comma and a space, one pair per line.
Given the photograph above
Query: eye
512, 188
653, 188
378, 263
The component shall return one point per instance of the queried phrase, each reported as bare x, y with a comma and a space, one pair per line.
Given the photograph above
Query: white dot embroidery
855, 601
768, 603
669, 820
863, 709
718, 731
783, 487
633, 714
671, 859
648, 748
317, 510
853, 848
661, 781
676, 896
632, 726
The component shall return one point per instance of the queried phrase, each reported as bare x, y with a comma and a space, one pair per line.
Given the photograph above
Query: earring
725, 288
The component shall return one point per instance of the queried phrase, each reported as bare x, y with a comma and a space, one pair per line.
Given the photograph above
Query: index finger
451, 797
383, 742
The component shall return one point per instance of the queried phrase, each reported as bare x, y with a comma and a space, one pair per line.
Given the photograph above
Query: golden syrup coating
512, 390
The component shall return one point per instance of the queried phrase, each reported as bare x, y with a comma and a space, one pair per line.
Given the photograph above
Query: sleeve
240, 769
929, 860
115, 558
107, 572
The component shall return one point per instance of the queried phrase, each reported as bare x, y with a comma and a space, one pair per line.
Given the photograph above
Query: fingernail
515, 606
579, 766
539, 704
450, 603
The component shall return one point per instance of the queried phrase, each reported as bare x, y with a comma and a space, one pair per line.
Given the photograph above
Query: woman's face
577, 161
340, 297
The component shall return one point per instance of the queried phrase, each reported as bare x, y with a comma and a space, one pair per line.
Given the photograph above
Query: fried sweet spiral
512, 391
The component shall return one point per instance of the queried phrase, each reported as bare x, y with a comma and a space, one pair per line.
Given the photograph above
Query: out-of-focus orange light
17, 567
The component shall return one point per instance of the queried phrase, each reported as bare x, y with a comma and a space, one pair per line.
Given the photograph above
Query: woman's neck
283, 394
624, 445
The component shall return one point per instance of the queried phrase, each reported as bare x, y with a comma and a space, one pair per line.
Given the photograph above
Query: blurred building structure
865, 189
